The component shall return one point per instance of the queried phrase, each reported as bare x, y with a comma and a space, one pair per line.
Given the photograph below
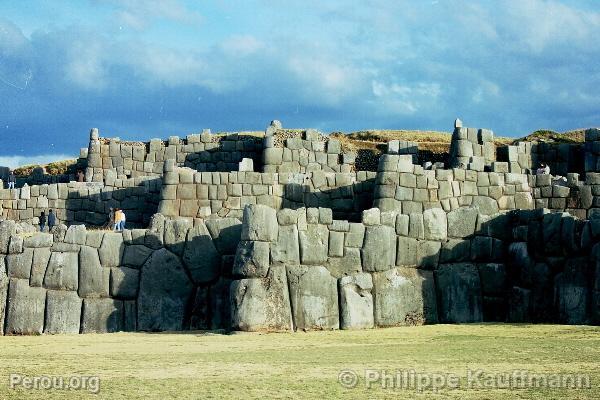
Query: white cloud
139, 14
19, 161
241, 45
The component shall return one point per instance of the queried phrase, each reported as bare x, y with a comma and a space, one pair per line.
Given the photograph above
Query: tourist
117, 224
12, 179
51, 220
42, 221
544, 169
122, 221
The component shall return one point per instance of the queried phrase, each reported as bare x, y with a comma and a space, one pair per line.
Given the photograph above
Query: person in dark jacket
42, 221
51, 220
12, 180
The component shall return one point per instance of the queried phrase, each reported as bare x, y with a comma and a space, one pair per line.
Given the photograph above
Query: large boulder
7, 229
435, 223
63, 312
111, 250
261, 304
572, 294
19, 265
251, 259
62, 272
349, 264
175, 233
314, 242
404, 296
135, 255
356, 301
102, 316
3, 293
124, 282
459, 293
41, 256
26, 305
200, 255
93, 278
287, 248
220, 309
38, 240
379, 248
259, 223
164, 292
462, 222
314, 297
226, 233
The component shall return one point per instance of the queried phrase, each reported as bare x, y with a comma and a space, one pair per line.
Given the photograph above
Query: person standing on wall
12, 179
118, 214
51, 220
42, 221
122, 221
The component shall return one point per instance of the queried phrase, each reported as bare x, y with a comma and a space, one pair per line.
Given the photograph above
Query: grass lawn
303, 365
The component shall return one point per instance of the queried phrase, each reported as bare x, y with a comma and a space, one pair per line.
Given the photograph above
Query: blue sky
140, 69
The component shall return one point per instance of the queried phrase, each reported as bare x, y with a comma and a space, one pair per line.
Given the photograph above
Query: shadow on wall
226, 154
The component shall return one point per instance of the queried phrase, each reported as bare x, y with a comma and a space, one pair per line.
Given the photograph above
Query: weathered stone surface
7, 229
135, 255
63, 312
164, 292
519, 307
200, 255
314, 243
314, 298
62, 272
493, 279
462, 222
459, 293
129, 315
111, 250
41, 256
261, 304
379, 249
39, 240
3, 293
349, 264
175, 234
260, 223
220, 308
16, 244
26, 305
124, 282
226, 233
102, 316
76, 234
407, 251
404, 296
94, 238
93, 278
287, 247
19, 265
436, 224
572, 294
356, 301
251, 259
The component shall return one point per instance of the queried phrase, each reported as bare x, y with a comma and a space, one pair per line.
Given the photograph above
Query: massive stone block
41, 256
313, 293
261, 304
164, 292
39, 240
462, 222
435, 223
111, 250
93, 278
349, 264
62, 272
19, 265
3, 293
135, 255
226, 233
63, 312
459, 293
260, 223
175, 234
7, 229
379, 248
287, 247
26, 305
200, 255
314, 242
404, 296
356, 301
124, 282
572, 294
251, 259
102, 316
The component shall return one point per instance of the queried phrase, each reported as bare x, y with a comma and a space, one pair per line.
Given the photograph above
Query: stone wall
592, 150
172, 276
302, 270
191, 194
472, 148
113, 158
83, 203
304, 151
526, 157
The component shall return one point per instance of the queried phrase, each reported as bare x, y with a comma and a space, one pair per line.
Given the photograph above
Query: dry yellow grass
301, 365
